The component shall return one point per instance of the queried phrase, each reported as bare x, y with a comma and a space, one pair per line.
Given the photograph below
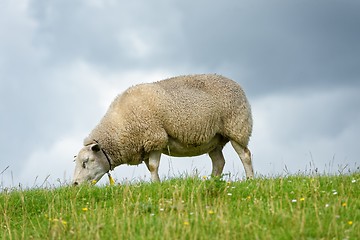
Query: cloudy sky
62, 63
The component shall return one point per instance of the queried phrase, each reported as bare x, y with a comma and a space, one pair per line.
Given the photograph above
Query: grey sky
62, 63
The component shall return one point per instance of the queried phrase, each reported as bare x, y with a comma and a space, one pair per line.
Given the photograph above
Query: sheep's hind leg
245, 156
153, 165
218, 162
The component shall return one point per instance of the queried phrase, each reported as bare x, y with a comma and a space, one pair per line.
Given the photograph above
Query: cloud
275, 46
316, 127
76, 100
115, 34
62, 63
54, 162
267, 46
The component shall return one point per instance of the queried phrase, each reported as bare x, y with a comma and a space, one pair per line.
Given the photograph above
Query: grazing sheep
181, 116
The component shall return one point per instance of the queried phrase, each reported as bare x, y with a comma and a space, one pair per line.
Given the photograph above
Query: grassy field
294, 207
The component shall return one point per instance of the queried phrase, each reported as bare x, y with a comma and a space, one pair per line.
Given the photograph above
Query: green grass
294, 207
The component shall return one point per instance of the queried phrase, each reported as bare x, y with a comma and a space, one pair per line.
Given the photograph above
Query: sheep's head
91, 164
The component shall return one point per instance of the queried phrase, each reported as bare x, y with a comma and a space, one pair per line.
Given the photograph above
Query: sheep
181, 116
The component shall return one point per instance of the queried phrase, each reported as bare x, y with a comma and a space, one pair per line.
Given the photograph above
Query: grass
294, 207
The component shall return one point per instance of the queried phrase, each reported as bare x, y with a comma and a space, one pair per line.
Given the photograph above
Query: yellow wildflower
186, 223
350, 222
85, 209
343, 204
111, 180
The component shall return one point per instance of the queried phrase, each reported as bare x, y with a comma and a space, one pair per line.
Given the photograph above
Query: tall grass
294, 207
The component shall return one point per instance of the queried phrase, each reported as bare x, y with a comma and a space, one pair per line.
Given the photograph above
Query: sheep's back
197, 107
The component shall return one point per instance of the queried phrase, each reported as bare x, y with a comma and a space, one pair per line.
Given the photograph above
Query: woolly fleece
204, 111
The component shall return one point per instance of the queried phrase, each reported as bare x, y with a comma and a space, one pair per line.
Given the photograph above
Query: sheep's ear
88, 141
95, 147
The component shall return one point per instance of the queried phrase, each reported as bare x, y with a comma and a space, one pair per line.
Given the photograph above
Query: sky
63, 62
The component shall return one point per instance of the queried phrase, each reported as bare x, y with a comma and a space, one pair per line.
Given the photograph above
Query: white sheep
181, 116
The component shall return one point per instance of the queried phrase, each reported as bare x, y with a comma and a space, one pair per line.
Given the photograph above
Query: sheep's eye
84, 164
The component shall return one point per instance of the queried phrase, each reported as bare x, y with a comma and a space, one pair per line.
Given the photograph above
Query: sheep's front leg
153, 165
